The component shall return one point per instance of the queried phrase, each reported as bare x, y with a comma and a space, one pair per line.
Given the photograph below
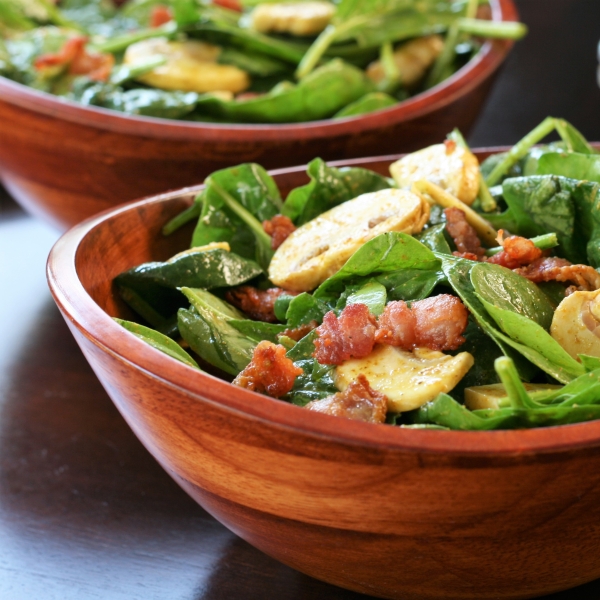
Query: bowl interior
131, 234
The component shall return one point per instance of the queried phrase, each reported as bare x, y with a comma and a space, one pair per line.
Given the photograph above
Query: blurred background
81, 498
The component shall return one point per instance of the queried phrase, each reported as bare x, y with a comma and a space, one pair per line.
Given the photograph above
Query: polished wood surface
85, 511
65, 162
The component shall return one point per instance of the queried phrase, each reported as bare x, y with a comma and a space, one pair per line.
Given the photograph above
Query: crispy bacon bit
352, 335
80, 62
230, 4
279, 228
397, 326
160, 15
269, 372
462, 233
436, 323
467, 255
359, 401
257, 304
299, 332
586, 278
450, 146
518, 251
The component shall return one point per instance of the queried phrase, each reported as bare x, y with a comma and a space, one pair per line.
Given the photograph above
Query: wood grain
64, 162
418, 515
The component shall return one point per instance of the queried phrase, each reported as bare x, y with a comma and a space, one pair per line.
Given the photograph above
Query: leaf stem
515, 390
253, 223
119, 43
506, 30
520, 149
543, 242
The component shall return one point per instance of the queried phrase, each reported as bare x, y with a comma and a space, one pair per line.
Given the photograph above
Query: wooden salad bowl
395, 513
65, 162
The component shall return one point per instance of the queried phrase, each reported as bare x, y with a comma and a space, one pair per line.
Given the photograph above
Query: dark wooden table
85, 512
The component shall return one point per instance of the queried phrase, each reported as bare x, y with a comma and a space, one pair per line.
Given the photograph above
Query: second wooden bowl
65, 162
406, 514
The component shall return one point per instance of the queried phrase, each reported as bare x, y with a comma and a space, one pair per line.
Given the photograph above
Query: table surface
85, 512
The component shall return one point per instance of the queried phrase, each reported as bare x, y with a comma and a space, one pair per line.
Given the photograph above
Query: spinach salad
449, 295
241, 61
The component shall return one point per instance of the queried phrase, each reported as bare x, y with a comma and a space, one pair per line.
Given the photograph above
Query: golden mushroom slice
412, 60
576, 324
191, 67
448, 166
489, 396
408, 379
319, 248
295, 18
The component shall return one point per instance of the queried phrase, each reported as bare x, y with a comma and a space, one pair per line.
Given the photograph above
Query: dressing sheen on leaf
505, 289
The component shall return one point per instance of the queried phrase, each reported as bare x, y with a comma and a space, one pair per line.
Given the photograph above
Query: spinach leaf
446, 412
486, 351
435, 238
234, 204
505, 289
373, 295
368, 103
533, 342
305, 308
316, 381
258, 330
396, 257
544, 203
207, 329
329, 186
365, 22
151, 289
458, 273
321, 95
570, 164
159, 341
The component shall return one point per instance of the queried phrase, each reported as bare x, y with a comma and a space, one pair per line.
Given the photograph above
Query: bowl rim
487, 61
82, 312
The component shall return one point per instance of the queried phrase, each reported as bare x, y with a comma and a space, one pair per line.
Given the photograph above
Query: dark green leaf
159, 341
368, 103
318, 96
505, 289
329, 187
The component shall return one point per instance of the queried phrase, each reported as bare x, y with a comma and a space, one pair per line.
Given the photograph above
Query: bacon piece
450, 146
160, 15
518, 251
464, 236
269, 372
80, 62
352, 335
467, 255
235, 5
440, 322
299, 332
436, 323
257, 304
359, 401
586, 278
397, 326
279, 228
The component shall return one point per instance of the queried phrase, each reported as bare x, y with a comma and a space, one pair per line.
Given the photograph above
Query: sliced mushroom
295, 18
319, 248
576, 324
408, 379
448, 166
191, 67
